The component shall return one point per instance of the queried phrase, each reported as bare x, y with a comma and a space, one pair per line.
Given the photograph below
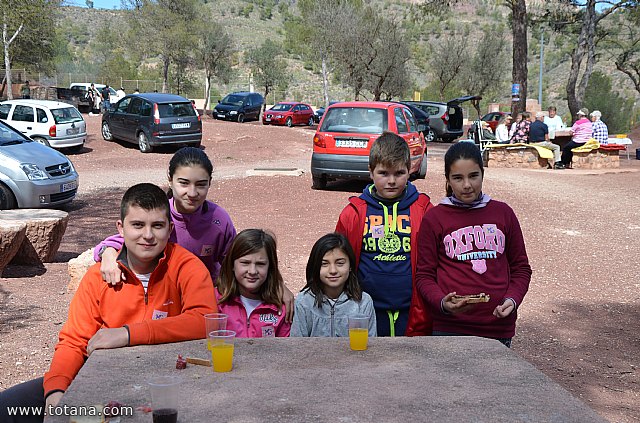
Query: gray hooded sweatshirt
332, 319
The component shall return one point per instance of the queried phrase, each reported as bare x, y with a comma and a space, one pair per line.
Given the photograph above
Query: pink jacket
266, 321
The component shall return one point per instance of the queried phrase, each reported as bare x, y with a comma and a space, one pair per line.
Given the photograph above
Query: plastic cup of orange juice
212, 322
358, 332
222, 345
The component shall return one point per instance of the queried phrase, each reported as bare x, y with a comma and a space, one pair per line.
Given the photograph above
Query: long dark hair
248, 242
460, 151
320, 248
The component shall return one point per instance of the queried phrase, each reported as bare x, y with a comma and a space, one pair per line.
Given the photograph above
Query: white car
52, 123
114, 97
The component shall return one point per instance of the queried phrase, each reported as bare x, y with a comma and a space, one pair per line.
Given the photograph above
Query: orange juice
209, 344
222, 357
358, 338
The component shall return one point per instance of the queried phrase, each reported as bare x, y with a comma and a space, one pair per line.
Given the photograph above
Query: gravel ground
579, 323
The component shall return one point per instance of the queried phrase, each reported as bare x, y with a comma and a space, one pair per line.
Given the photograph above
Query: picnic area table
398, 379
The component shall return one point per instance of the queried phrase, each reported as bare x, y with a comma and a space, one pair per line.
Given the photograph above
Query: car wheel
319, 182
431, 136
311, 122
143, 143
240, 118
422, 173
41, 141
289, 122
106, 132
7, 200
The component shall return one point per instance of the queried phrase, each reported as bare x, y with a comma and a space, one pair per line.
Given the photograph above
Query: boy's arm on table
83, 322
198, 299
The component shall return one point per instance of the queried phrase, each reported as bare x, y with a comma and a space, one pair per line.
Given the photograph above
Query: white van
52, 123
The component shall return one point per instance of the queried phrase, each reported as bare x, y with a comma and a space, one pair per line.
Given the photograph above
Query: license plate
69, 186
351, 144
220, 116
73, 131
268, 119
180, 125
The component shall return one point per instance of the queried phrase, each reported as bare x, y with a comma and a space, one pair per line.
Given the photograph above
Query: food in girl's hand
472, 299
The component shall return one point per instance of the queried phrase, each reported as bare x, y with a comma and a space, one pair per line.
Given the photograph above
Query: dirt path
579, 323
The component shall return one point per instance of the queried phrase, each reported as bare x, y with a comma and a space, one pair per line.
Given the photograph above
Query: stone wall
596, 159
520, 157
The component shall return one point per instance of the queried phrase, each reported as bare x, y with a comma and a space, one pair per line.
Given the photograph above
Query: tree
482, 72
519, 70
165, 27
616, 110
214, 51
626, 51
268, 68
447, 59
30, 20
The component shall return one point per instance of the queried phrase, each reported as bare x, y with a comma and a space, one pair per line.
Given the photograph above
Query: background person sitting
502, 130
512, 129
600, 131
581, 131
521, 132
553, 122
539, 135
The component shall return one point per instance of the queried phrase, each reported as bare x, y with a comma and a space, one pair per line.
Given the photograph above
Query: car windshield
282, 107
66, 115
233, 99
182, 109
9, 136
359, 120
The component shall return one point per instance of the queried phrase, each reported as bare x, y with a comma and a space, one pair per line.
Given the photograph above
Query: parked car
422, 118
493, 118
33, 175
317, 115
289, 113
239, 106
346, 132
52, 123
445, 118
153, 119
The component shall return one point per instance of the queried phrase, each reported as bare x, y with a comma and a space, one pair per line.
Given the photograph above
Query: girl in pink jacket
248, 288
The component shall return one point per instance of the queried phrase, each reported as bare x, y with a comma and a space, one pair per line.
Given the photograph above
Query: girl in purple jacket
199, 225
249, 285
467, 245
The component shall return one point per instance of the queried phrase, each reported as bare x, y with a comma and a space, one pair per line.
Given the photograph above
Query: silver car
33, 175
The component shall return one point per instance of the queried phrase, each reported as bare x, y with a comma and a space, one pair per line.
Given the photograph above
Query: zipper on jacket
333, 310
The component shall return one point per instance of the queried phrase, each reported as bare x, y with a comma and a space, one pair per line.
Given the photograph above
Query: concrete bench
44, 229
518, 156
604, 157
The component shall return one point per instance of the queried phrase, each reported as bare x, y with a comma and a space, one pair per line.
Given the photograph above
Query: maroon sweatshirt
470, 251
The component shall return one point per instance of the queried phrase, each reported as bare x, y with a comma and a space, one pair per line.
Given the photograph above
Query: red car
288, 113
493, 118
346, 132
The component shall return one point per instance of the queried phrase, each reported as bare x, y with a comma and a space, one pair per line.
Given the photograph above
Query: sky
97, 4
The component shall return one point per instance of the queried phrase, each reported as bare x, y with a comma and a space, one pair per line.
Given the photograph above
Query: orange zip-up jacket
179, 293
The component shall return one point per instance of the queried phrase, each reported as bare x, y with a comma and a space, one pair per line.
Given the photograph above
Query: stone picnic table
321, 380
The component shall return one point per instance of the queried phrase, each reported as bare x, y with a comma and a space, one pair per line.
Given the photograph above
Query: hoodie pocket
389, 291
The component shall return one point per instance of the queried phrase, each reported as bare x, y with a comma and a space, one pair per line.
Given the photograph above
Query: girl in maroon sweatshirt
471, 244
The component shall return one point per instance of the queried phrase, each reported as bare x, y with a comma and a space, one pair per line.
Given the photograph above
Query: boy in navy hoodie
382, 226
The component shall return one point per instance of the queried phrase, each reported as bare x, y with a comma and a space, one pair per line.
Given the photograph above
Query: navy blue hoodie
385, 261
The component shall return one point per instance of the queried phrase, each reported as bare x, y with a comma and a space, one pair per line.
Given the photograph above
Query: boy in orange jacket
164, 298
382, 227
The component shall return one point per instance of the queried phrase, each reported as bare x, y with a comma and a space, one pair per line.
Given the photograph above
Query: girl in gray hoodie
332, 292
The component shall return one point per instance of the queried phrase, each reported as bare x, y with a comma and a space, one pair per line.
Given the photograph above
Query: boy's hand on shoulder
106, 339
459, 306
